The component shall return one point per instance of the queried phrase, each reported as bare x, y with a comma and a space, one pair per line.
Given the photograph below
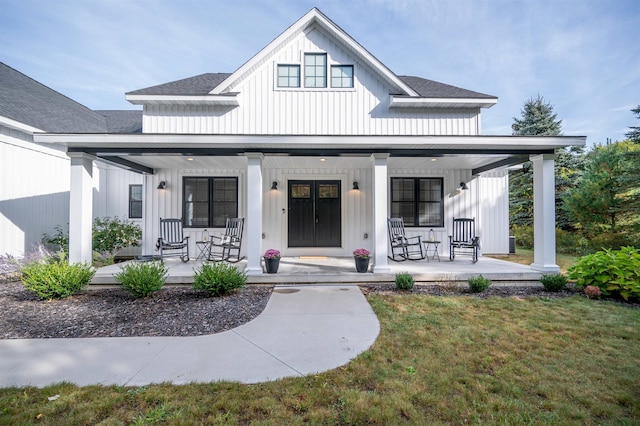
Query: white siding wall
265, 109
494, 212
34, 191
357, 217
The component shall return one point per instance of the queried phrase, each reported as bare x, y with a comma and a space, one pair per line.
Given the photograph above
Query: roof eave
226, 99
419, 102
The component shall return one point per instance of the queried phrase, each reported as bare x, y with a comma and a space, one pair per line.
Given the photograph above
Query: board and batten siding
34, 191
265, 109
356, 205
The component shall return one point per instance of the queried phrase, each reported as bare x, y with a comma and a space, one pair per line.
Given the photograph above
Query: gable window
288, 75
419, 201
341, 75
209, 201
135, 201
315, 70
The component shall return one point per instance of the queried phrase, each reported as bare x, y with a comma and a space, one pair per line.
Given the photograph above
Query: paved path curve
303, 330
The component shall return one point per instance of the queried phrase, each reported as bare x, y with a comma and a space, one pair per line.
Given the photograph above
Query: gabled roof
198, 85
215, 88
122, 121
432, 89
310, 19
29, 102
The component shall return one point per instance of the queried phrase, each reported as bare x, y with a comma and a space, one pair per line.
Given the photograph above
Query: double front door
314, 213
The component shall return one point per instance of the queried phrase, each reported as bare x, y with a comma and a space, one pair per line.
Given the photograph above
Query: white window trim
302, 88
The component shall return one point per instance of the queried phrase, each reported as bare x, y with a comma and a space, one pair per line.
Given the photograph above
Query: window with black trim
209, 201
418, 201
135, 201
288, 75
315, 70
341, 75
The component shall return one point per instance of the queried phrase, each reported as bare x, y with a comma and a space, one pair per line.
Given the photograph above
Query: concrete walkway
303, 330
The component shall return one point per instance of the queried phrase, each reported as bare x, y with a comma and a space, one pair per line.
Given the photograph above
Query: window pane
342, 76
300, 190
225, 200
135, 201
419, 201
288, 75
315, 70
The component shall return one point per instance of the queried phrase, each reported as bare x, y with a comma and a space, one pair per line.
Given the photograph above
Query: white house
315, 143
35, 177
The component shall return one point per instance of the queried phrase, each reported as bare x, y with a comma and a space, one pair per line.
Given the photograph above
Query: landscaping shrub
113, 234
554, 282
218, 278
523, 234
404, 281
479, 284
58, 241
56, 279
592, 292
614, 272
142, 279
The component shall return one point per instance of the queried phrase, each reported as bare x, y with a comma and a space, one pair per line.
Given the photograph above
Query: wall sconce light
274, 185
355, 186
463, 186
162, 184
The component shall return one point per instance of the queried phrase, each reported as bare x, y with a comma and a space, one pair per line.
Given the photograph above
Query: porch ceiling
154, 151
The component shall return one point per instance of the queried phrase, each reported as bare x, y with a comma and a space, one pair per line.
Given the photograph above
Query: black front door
314, 213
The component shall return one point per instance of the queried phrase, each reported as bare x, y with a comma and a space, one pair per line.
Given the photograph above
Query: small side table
205, 249
431, 247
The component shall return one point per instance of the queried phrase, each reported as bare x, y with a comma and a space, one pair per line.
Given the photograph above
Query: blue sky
582, 56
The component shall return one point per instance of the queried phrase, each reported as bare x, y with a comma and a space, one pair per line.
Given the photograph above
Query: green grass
438, 360
525, 257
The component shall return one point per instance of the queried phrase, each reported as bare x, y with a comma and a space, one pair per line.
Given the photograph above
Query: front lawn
438, 360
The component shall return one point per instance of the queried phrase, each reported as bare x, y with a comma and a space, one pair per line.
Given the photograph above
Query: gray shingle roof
25, 100
433, 89
122, 121
193, 86
203, 84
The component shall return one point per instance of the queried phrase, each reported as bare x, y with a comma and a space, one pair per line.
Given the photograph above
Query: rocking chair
172, 240
403, 247
227, 247
464, 239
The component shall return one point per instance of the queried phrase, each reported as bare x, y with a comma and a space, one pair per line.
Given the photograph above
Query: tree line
597, 189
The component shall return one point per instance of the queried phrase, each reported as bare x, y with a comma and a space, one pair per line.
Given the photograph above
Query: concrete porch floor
341, 270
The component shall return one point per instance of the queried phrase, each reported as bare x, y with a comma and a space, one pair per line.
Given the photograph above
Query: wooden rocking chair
227, 247
403, 247
172, 240
464, 239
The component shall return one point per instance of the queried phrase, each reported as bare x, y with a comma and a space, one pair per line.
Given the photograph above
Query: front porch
341, 270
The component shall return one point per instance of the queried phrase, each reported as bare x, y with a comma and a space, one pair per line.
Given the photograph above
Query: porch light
355, 186
162, 184
274, 185
463, 186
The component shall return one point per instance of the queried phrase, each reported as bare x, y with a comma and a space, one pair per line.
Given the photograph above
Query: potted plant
272, 261
361, 257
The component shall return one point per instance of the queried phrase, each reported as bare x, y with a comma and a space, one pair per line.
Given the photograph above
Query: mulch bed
175, 311
172, 311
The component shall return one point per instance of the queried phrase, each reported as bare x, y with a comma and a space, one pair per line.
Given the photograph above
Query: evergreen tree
634, 133
607, 198
537, 119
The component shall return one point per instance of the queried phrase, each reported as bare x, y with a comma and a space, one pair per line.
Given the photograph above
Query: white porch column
253, 221
148, 223
80, 208
544, 213
380, 200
